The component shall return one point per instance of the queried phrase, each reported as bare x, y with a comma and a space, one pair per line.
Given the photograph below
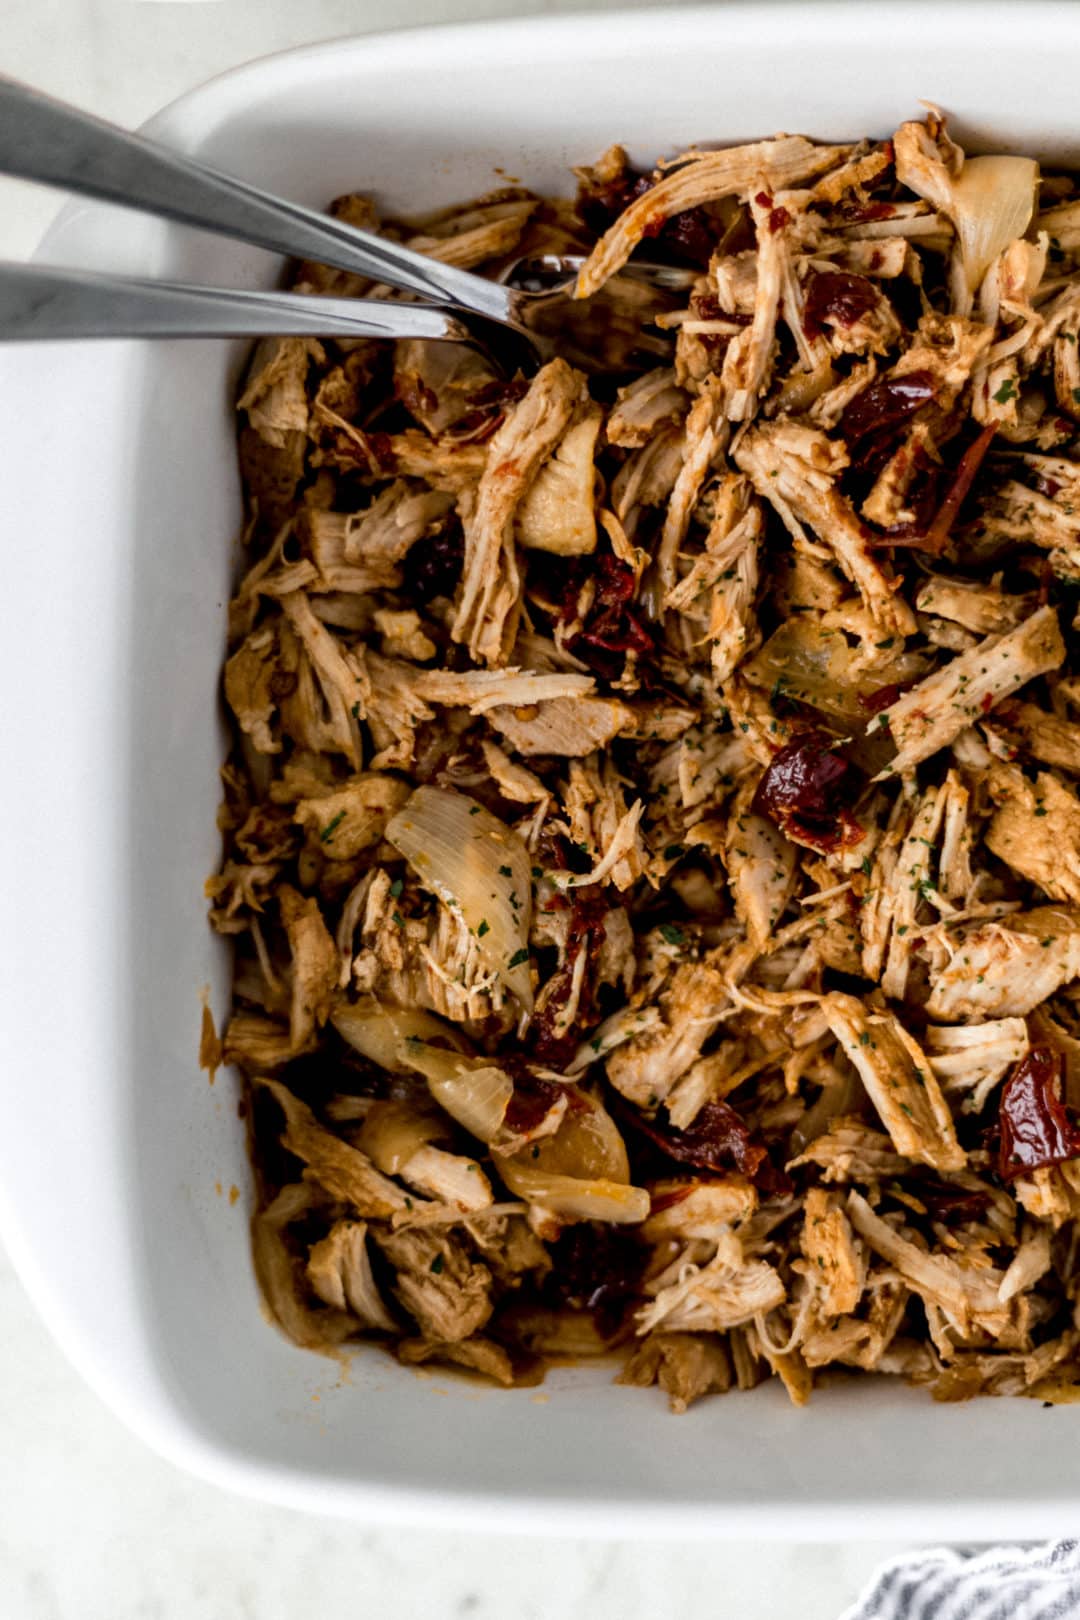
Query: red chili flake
718, 1139
763, 199
778, 218
1046, 486
1036, 1130
839, 297
962, 480
803, 792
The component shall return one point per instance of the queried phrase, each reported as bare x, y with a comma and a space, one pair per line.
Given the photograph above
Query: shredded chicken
652, 825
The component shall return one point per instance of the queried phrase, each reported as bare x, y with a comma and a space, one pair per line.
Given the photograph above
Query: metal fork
45, 140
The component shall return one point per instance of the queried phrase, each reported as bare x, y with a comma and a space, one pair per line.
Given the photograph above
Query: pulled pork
652, 827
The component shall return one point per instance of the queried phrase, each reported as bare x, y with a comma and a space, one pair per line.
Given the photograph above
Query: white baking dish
122, 506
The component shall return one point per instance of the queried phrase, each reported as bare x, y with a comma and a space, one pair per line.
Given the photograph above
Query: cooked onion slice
582, 1173
569, 1199
473, 1091
380, 1032
993, 200
394, 1132
587, 1144
478, 866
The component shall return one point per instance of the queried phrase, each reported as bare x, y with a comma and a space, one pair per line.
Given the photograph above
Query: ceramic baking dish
120, 489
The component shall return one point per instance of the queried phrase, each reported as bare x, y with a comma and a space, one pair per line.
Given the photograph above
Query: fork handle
46, 140
40, 303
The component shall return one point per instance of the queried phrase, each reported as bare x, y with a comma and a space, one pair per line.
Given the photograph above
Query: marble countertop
93, 1524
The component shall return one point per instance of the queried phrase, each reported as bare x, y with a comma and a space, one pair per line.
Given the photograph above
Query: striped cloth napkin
1002, 1583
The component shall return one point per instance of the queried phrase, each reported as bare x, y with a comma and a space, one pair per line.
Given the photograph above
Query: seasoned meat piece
1036, 830
490, 606
339, 1270
968, 1296
1004, 969
705, 177
1045, 737
795, 469
934, 713
684, 1365
571, 726
899, 1080
714, 1298
831, 1254
448, 1294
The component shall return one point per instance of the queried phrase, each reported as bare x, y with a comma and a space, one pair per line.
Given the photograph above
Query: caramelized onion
479, 867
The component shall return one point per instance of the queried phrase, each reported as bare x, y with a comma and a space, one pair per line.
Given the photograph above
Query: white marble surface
93, 1526
91, 1523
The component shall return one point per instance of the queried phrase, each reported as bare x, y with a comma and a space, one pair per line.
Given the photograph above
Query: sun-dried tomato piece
596, 1267
533, 1097
601, 205
586, 932
689, 235
838, 296
611, 627
950, 1204
958, 490
876, 417
433, 565
806, 789
717, 1139
882, 698
612, 624
1036, 1130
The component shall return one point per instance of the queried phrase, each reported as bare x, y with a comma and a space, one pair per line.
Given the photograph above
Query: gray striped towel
1002, 1583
